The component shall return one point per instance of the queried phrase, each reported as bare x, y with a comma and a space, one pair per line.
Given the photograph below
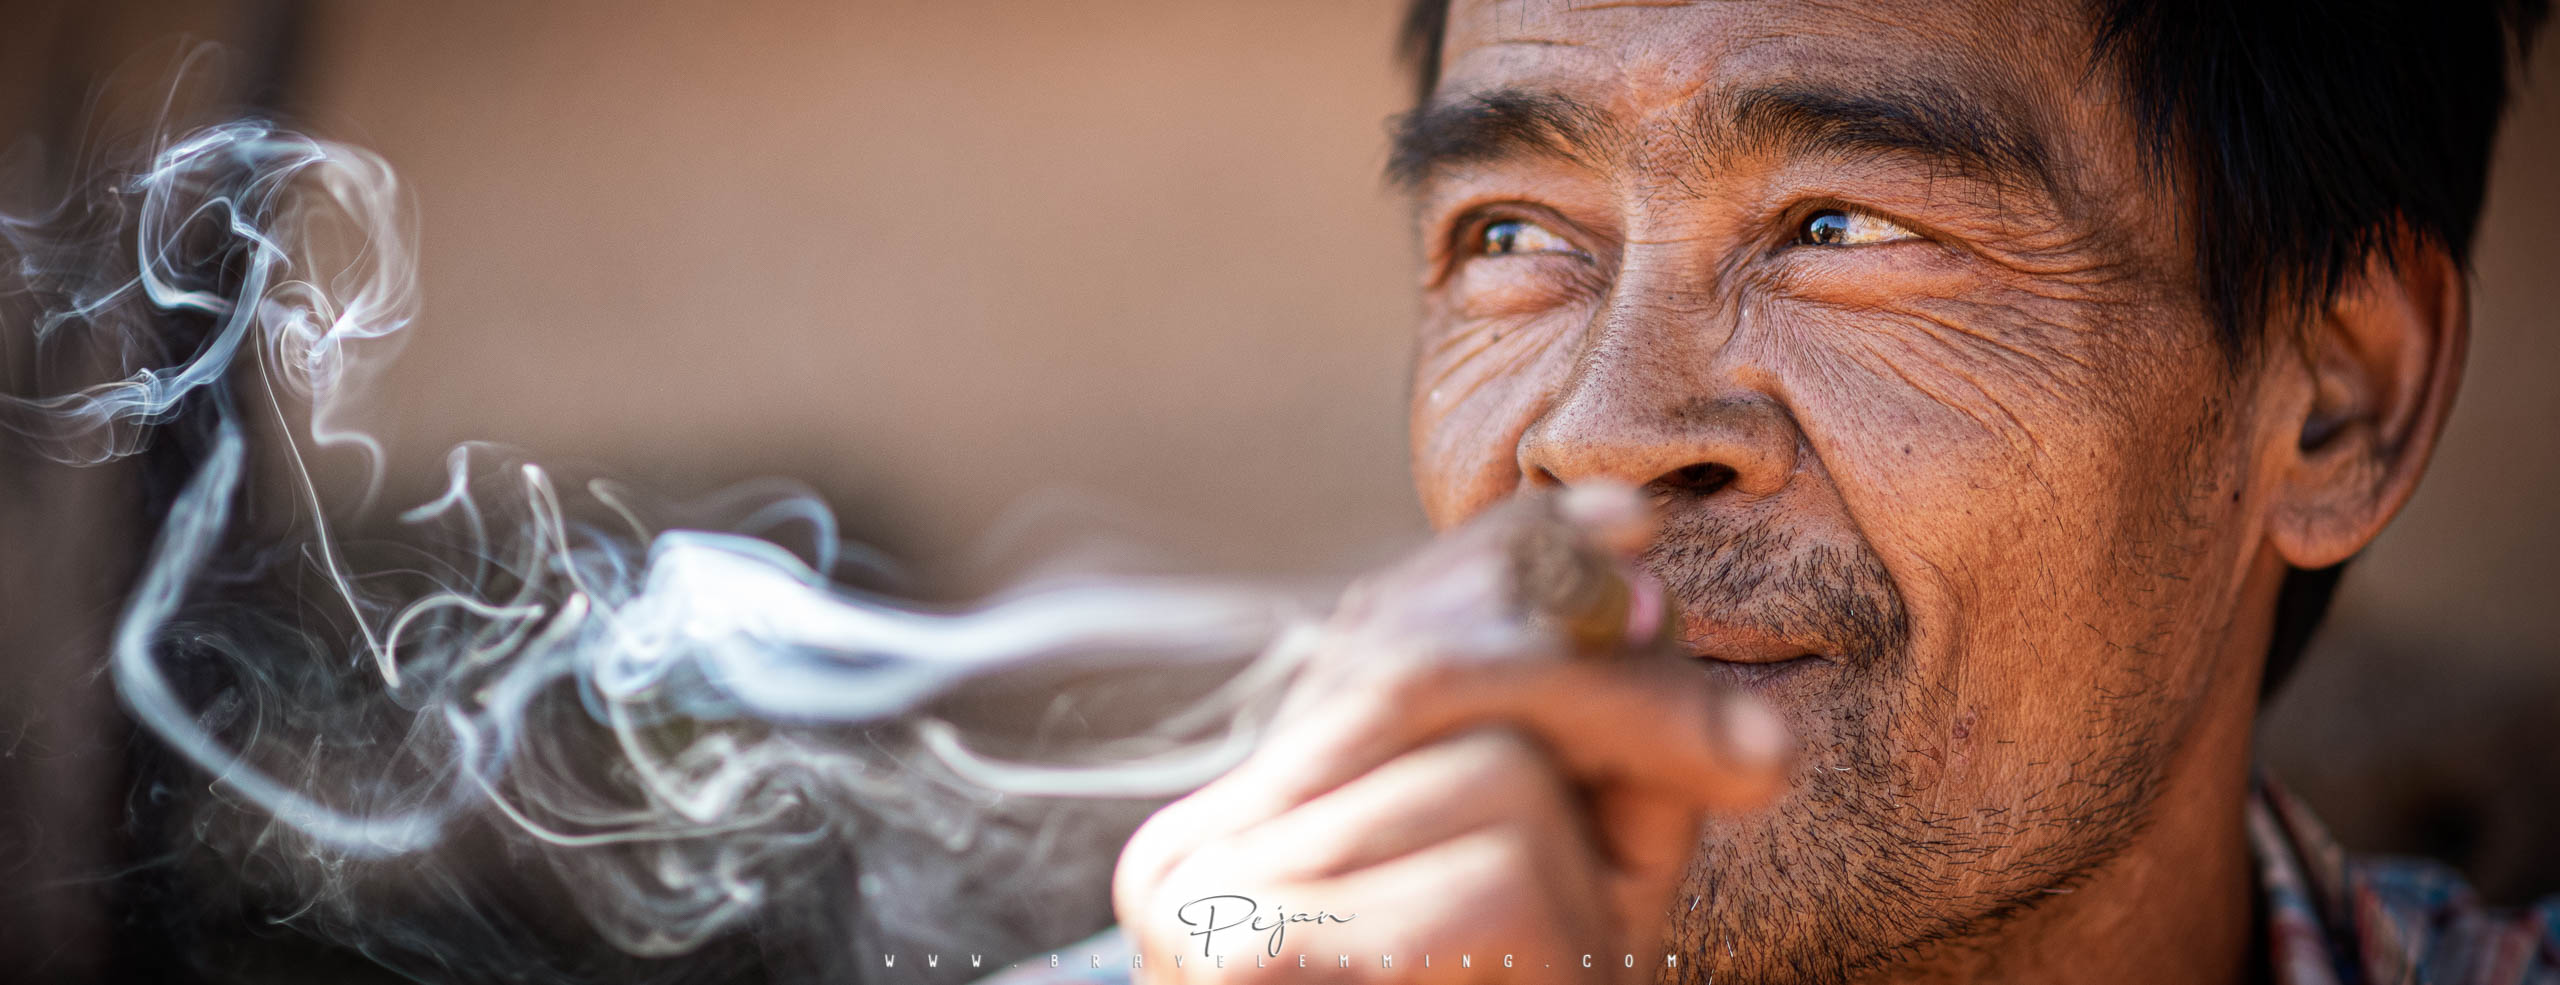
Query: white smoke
685, 720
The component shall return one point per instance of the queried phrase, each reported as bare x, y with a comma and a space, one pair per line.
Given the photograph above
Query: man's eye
1521, 236
1839, 227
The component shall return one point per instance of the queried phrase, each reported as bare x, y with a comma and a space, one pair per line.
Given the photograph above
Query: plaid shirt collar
2331, 920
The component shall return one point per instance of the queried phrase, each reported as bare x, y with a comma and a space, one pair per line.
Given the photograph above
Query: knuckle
1513, 852
1406, 681
1509, 767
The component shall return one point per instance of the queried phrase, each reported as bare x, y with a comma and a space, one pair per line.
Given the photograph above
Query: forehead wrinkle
1576, 8
1523, 7
1916, 118
1980, 123
1532, 42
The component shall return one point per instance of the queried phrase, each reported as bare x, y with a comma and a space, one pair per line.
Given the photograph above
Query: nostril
1543, 478
1702, 479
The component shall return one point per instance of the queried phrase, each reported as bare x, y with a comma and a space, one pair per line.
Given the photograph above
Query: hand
1430, 801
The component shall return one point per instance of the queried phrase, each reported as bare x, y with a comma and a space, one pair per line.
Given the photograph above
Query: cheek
2027, 472
1954, 431
1477, 386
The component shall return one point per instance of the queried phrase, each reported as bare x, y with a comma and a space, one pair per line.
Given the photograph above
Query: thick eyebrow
1913, 119
1492, 126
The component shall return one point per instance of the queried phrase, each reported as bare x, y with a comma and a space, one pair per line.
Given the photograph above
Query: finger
1643, 832
1659, 727
1475, 779
1489, 893
1490, 775
1649, 842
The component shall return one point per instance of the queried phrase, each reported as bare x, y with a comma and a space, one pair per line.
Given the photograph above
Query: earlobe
2378, 370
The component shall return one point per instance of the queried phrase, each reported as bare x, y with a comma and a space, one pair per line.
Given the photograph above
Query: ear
2367, 390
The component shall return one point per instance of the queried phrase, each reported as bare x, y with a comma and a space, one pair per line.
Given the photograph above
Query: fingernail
1753, 734
1614, 516
1645, 610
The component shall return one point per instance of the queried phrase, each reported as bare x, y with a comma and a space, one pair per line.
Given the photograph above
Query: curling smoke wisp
678, 717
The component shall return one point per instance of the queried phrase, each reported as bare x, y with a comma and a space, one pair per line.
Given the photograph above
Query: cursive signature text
1212, 914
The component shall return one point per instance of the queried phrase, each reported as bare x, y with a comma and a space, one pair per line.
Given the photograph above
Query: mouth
1762, 673
1746, 657
1740, 656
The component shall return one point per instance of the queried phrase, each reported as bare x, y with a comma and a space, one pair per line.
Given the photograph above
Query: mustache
1754, 574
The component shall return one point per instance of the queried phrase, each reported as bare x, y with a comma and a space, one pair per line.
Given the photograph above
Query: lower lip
1762, 673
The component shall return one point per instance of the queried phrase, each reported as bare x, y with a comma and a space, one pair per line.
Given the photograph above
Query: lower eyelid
1535, 280
1902, 267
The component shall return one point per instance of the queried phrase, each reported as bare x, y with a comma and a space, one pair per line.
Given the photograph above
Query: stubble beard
1862, 866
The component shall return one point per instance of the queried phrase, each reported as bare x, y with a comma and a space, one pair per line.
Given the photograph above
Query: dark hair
2303, 135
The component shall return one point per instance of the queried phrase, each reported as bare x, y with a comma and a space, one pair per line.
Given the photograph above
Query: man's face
1879, 304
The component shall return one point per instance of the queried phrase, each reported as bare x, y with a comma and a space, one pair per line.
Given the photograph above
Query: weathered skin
1987, 477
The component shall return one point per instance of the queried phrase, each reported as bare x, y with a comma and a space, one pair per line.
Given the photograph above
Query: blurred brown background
944, 257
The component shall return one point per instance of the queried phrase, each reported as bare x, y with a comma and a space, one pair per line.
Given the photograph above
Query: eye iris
1503, 237
1827, 229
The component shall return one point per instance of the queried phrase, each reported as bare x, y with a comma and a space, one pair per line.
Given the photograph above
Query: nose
1651, 410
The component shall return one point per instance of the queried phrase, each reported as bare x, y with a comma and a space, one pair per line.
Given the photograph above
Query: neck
2177, 904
